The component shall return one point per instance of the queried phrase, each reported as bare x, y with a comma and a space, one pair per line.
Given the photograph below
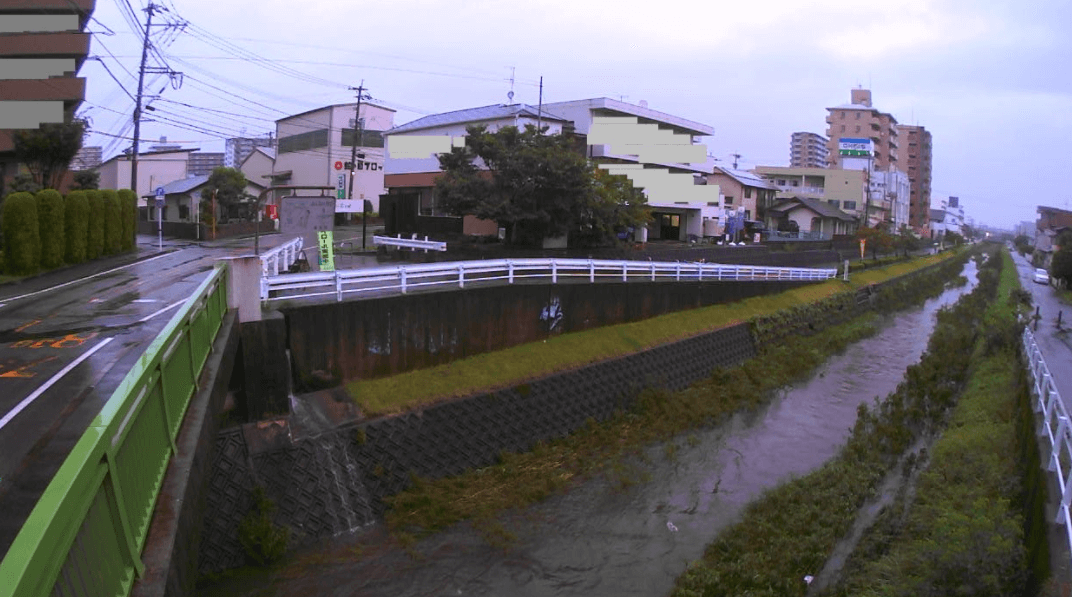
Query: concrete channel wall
380, 337
330, 483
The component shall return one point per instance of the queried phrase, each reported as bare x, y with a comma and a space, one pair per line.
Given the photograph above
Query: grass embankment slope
959, 531
518, 364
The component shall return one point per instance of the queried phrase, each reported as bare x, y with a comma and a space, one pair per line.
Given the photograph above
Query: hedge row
46, 230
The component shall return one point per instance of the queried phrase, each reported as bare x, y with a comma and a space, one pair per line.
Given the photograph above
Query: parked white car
1042, 276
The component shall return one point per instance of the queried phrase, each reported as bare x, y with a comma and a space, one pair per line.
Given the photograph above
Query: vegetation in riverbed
515, 365
521, 479
963, 533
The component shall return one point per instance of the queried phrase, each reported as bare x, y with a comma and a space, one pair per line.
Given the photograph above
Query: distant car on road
1041, 276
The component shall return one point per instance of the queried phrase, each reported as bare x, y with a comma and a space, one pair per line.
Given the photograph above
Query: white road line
114, 269
137, 301
159, 311
41, 390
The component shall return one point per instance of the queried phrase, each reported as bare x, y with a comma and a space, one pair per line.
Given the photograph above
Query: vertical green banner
327, 251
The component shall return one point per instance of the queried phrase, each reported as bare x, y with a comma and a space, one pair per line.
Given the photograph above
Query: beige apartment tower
917, 159
860, 120
808, 150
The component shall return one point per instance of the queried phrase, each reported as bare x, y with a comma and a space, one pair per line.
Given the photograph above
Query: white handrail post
1059, 438
554, 272
402, 278
678, 272
426, 240
701, 266
625, 271
510, 270
461, 276
652, 271
338, 286
591, 271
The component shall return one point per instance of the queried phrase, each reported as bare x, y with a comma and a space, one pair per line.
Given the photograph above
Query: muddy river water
605, 539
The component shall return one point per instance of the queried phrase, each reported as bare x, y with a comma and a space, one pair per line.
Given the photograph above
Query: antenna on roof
510, 94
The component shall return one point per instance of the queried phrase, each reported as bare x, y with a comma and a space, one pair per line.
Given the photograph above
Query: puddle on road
599, 539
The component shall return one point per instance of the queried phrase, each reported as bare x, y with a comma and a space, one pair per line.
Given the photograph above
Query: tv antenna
510, 94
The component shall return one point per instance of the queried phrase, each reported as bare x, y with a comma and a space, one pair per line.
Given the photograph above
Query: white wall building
314, 147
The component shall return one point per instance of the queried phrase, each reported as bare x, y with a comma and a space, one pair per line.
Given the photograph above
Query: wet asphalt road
1055, 343
67, 339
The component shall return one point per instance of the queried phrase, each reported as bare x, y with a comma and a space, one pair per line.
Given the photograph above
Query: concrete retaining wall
373, 338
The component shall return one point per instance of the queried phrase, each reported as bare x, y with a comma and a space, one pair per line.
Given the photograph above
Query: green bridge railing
86, 533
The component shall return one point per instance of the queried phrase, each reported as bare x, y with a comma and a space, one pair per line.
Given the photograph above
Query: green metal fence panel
86, 533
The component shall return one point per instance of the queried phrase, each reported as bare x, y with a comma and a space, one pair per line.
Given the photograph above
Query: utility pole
359, 133
539, 110
137, 102
736, 156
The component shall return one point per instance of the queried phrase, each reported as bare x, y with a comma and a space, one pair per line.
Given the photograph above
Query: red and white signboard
338, 165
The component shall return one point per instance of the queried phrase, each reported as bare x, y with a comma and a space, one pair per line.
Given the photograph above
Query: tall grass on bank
964, 531
790, 532
518, 364
521, 479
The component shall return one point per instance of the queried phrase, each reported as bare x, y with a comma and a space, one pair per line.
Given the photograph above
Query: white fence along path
1054, 426
380, 281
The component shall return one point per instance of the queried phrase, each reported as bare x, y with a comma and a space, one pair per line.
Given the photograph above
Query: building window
857, 115
304, 141
368, 138
748, 214
747, 193
850, 205
729, 199
795, 183
857, 128
843, 115
834, 202
781, 182
843, 128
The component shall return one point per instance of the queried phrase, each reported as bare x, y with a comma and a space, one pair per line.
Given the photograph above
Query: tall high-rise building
917, 151
238, 148
203, 162
808, 150
42, 45
859, 120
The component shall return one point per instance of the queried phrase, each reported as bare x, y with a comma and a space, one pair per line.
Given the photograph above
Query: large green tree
47, 151
229, 184
536, 186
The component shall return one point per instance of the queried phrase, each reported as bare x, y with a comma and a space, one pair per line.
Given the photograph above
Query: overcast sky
990, 80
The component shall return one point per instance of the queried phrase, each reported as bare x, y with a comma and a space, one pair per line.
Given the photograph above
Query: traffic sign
160, 196
338, 165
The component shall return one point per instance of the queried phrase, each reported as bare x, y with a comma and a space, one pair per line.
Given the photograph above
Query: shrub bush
76, 226
95, 225
22, 240
128, 208
50, 226
113, 222
264, 541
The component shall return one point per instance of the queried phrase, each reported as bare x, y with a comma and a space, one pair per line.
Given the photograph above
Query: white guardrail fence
380, 281
410, 243
281, 258
1054, 426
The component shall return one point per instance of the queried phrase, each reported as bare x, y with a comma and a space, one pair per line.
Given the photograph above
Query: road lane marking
26, 325
146, 301
114, 269
41, 390
22, 370
68, 341
159, 311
